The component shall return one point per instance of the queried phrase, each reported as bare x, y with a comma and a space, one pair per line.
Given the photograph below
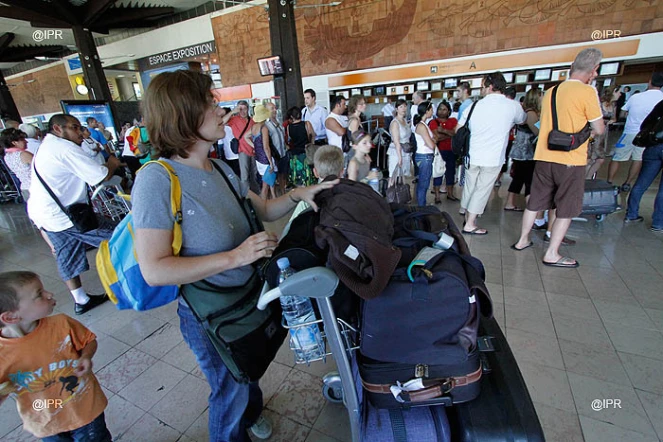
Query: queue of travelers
279, 168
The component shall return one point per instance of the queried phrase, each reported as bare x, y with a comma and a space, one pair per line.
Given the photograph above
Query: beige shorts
628, 151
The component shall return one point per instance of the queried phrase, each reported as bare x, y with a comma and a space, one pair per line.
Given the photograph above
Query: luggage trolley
340, 336
108, 201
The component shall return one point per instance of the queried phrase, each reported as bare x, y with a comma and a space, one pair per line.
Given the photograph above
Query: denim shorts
71, 245
95, 431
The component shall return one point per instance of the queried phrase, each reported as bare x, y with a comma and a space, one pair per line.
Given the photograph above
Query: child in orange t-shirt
46, 364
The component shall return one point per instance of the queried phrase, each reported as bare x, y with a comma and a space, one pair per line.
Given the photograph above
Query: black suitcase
600, 198
454, 383
504, 411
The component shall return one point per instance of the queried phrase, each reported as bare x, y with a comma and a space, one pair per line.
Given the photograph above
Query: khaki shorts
629, 151
557, 186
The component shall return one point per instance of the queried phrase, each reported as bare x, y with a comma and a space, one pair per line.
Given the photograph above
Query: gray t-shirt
212, 219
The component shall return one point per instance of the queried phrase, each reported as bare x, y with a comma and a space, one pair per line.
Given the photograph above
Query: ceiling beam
121, 16
35, 19
37, 7
23, 53
5, 40
93, 9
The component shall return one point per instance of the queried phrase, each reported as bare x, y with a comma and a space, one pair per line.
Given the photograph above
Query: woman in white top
356, 107
425, 149
400, 149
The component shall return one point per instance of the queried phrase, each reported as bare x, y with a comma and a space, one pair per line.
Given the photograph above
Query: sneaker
498, 183
543, 226
625, 188
94, 301
566, 241
656, 229
634, 220
461, 212
262, 428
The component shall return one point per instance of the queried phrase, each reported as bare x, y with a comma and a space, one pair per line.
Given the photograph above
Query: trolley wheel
332, 388
600, 218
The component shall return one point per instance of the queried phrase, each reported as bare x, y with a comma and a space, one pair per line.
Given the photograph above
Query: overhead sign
176, 55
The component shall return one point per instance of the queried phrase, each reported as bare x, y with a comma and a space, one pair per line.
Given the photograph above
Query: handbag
234, 143
398, 191
247, 339
439, 166
81, 215
564, 141
460, 142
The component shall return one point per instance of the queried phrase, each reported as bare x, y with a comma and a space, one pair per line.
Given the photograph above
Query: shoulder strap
398, 428
48, 189
470, 114
553, 108
245, 127
239, 200
175, 203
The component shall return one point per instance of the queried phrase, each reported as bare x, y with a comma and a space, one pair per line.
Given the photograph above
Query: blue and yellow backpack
117, 263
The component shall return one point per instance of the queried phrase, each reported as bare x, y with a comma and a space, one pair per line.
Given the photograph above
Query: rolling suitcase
420, 424
600, 199
504, 411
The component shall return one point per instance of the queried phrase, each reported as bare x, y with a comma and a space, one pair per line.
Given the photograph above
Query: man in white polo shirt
490, 124
637, 108
67, 170
316, 115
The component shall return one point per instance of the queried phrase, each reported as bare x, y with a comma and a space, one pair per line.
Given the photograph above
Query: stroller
109, 202
10, 186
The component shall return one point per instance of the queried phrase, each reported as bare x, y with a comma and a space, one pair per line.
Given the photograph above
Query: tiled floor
579, 335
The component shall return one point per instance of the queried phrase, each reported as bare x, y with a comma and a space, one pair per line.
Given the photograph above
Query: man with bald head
62, 165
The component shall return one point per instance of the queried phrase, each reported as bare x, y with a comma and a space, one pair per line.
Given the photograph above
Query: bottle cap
283, 263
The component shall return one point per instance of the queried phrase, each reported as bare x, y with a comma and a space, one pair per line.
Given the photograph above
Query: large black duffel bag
425, 332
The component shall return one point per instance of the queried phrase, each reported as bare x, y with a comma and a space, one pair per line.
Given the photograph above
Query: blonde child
359, 167
46, 364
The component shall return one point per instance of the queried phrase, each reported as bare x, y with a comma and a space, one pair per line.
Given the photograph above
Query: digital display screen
270, 65
450, 83
380, 90
508, 76
83, 109
609, 69
542, 74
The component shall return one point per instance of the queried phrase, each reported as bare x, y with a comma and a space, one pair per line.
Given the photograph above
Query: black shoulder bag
564, 141
651, 129
234, 143
247, 339
460, 142
81, 215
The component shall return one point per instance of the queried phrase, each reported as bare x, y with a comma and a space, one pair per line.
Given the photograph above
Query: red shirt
237, 124
449, 124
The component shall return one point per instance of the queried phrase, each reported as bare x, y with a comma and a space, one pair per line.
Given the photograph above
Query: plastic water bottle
297, 310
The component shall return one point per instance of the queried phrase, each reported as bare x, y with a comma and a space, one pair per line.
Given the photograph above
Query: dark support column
8, 109
93, 72
283, 36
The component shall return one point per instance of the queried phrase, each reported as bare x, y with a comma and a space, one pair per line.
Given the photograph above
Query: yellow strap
175, 203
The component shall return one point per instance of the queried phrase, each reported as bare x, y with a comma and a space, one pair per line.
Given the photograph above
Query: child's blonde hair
9, 282
328, 160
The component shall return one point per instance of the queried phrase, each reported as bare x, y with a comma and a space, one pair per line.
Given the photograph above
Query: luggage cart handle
316, 282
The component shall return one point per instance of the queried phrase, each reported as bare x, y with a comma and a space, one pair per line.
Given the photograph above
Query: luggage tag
444, 242
411, 385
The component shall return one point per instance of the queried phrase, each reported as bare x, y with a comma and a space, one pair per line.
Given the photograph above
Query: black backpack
651, 129
460, 142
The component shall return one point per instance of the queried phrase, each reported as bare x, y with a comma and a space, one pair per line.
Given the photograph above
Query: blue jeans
424, 163
233, 407
652, 163
95, 431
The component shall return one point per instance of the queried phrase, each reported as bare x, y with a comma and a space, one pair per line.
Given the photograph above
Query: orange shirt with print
577, 103
40, 370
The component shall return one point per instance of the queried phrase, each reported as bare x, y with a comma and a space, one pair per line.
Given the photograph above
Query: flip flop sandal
513, 209
452, 198
513, 247
475, 232
562, 262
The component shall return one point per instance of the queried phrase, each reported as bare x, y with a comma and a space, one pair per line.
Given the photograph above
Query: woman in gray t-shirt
183, 121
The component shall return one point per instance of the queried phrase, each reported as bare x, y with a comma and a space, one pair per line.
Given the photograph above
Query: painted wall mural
361, 34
